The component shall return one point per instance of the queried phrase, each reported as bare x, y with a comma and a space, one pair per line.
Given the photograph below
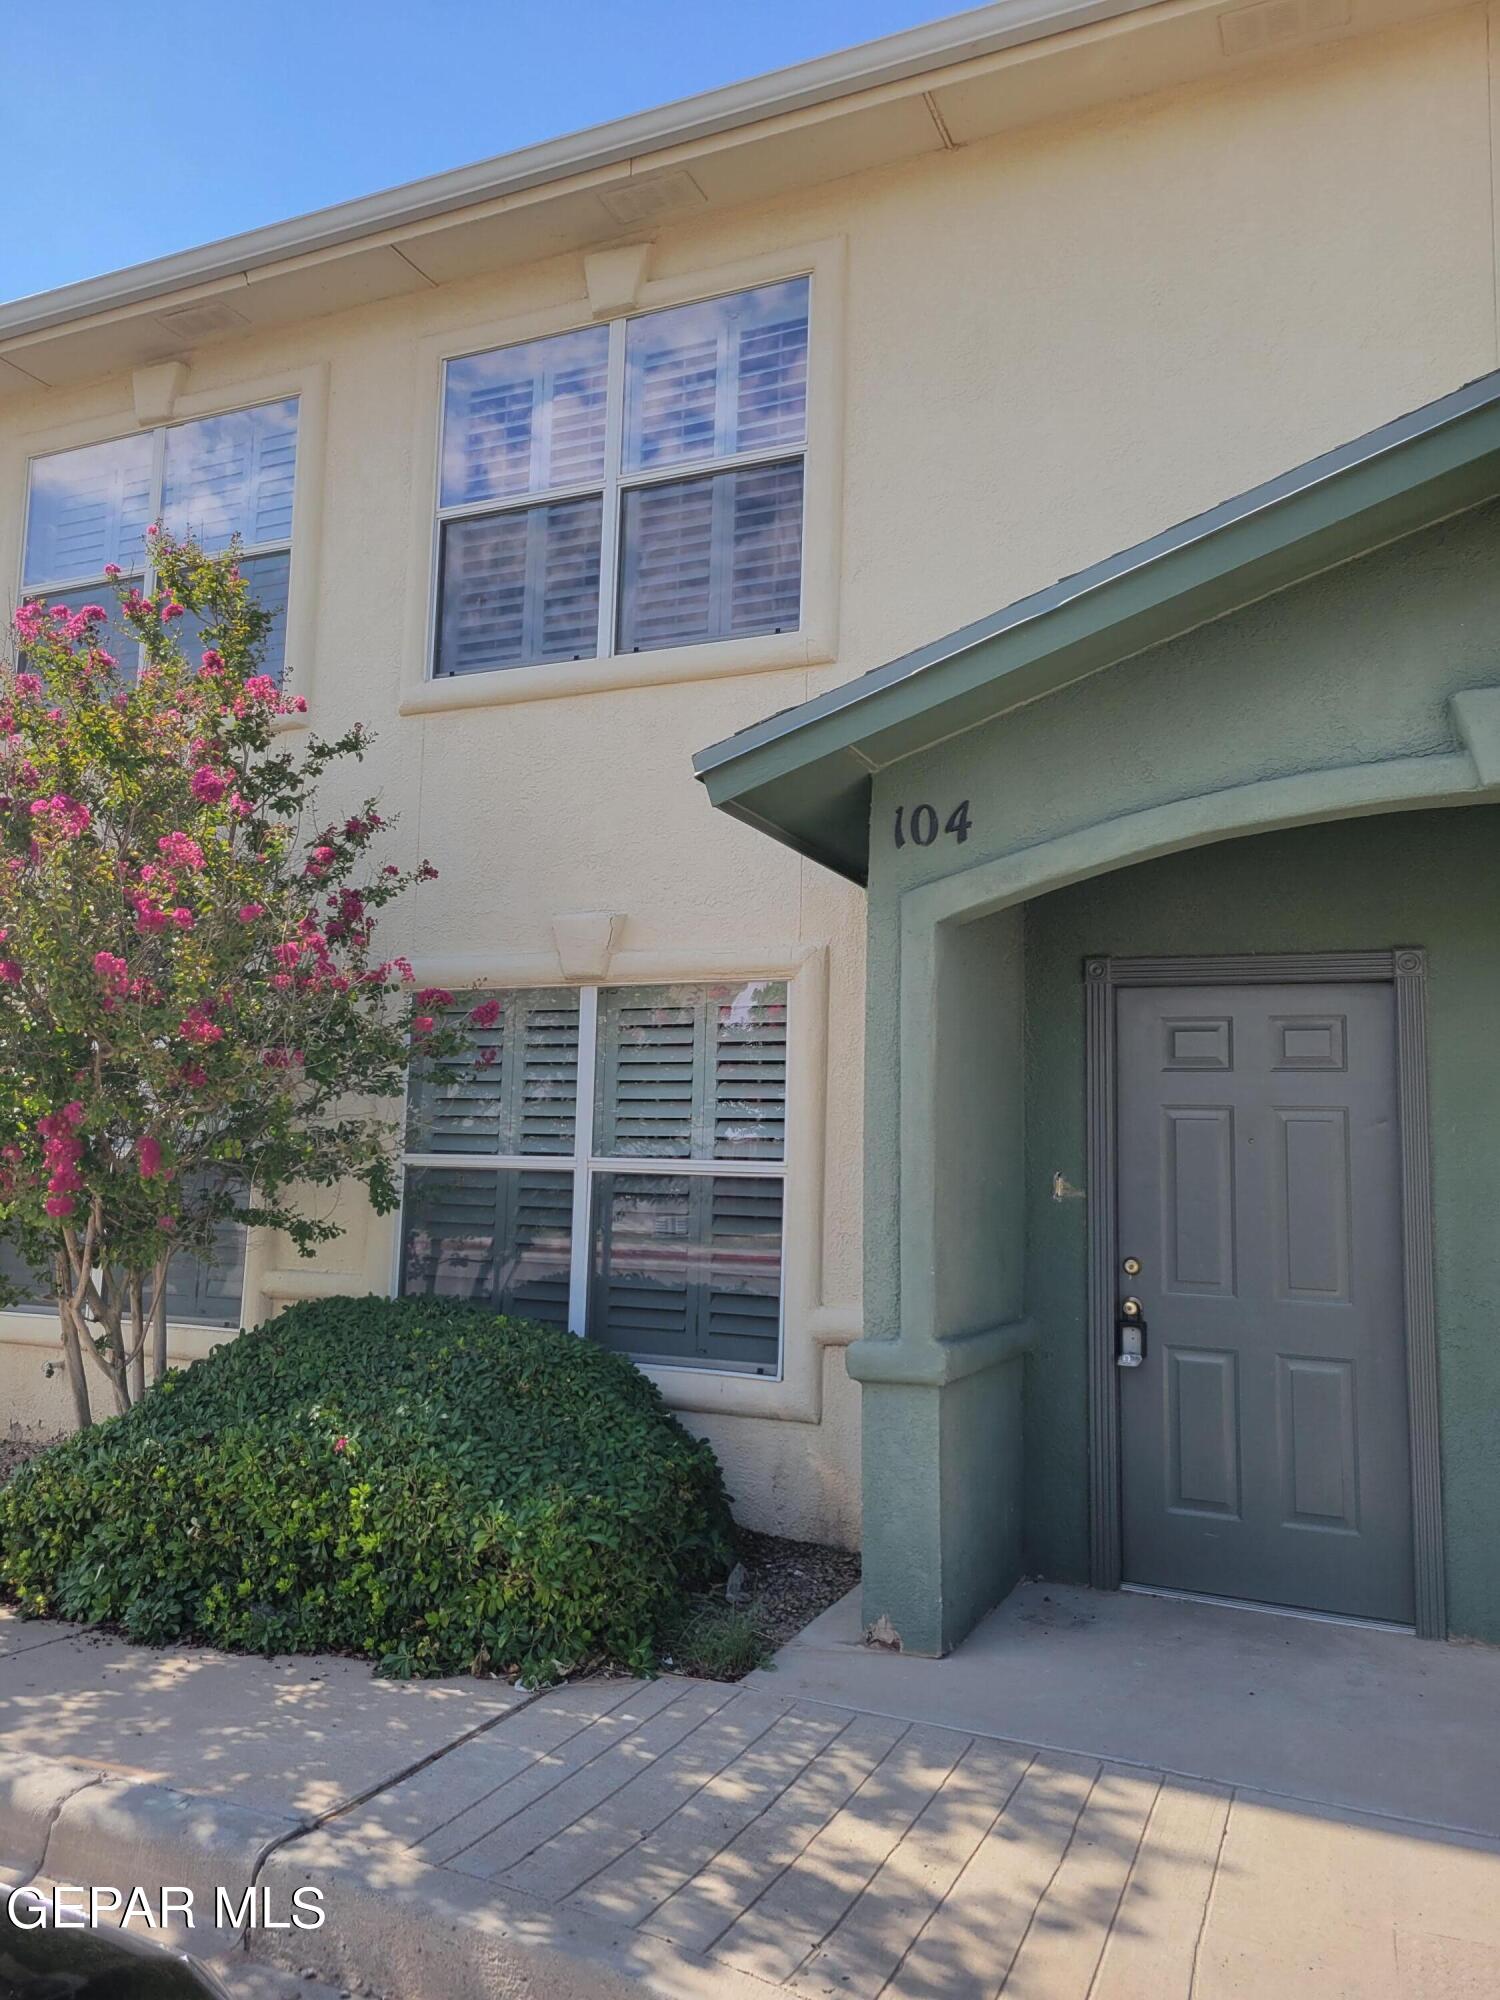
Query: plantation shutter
31, 1284
749, 1077
687, 1266
87, 508
501, 1238
676, 394
521, 587
771, 381
525, 419
718, 378
763, 589
740, 1302
232, 475
524, 1100
718, 557
210, 1289
692, 1072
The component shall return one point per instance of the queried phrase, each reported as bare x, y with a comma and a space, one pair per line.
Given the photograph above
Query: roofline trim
824, 80
1425, 422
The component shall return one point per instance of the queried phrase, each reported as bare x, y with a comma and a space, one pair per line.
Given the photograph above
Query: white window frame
584, 1164
147, 572
615, 481
309, 385
815, 639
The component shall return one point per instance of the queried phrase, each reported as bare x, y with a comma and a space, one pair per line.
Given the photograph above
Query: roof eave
891, 60
790, 774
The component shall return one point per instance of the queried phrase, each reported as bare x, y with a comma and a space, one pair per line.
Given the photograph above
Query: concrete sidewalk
681, 1838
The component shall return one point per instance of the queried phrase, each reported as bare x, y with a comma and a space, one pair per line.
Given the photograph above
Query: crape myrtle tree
195, 1021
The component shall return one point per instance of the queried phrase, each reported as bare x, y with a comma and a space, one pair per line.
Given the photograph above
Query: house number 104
919, 824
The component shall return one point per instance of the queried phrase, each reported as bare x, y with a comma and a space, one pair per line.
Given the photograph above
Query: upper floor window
625, 487
212, 478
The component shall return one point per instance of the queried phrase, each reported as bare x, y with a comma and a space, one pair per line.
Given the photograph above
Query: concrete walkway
1341, 1715
678, 1838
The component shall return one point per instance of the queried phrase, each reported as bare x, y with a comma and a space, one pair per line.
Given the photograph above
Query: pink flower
434, 996
58, 1204
28, 683
148, 1154
197, 1025
183, 918
169, 611
73, 1112
67, 817
341, 1444
288, 953
213, 660
10, 972
260, 687
248, 912
180, 850
111, 569
167, 1222
422, 1024
486, 1014
194, 1075
208, 786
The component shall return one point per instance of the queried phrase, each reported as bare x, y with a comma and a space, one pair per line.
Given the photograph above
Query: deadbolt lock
1131, 1267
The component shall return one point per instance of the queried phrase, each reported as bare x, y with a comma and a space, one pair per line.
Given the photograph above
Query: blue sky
130, 133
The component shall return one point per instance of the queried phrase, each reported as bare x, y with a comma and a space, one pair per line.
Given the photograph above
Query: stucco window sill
187, 1340
556, 679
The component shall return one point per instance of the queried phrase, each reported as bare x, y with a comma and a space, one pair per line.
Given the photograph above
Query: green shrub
417, 1481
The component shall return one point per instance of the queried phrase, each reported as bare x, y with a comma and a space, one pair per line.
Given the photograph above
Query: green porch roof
804, 776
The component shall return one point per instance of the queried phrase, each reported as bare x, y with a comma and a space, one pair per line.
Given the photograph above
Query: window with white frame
609, 1160
211, 478
626, 486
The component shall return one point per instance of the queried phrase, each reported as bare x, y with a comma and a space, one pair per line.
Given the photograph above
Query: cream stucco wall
1051, 345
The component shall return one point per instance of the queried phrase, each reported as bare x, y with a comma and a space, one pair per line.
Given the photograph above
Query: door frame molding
1405, 969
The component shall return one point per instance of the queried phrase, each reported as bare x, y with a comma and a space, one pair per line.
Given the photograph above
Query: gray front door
1264, 1449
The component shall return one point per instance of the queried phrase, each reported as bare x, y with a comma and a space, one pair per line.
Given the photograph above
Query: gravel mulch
789, 1583
775, 1588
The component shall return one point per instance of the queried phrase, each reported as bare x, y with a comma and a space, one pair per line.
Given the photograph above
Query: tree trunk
73, 1366
159, 1318
105, 1346
137, 1337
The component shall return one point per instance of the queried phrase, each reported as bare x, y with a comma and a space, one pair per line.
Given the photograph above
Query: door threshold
1269, 1610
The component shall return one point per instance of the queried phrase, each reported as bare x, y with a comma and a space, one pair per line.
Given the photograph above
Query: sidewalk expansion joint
314, 1822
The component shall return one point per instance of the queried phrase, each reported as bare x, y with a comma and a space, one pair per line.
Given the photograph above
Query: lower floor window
609, 1161
201, 1291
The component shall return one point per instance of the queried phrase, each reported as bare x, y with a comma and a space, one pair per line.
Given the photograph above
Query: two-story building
759, 429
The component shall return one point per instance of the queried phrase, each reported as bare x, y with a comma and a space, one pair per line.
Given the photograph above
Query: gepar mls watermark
70, 1906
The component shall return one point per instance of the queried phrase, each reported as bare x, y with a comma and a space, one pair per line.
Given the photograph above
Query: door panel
1264, 1448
